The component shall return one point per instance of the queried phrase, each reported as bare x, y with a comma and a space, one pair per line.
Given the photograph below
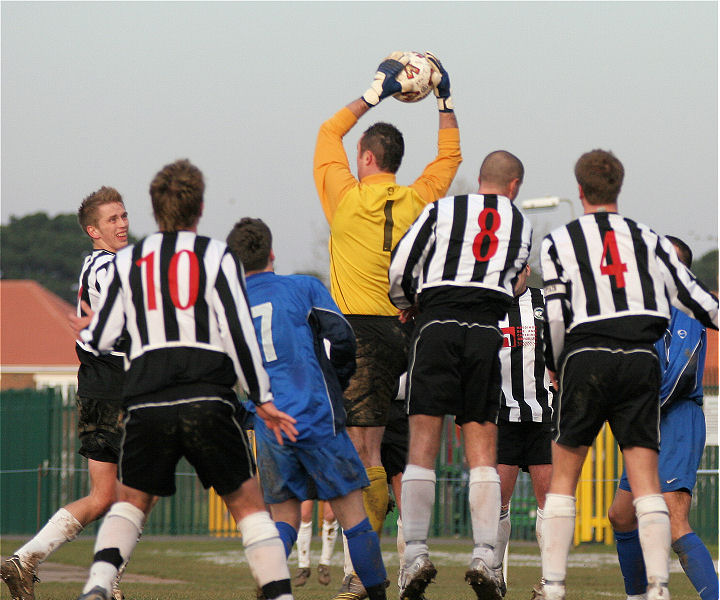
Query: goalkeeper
368, 214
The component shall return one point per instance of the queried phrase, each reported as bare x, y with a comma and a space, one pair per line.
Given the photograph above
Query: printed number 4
610, 262
264, 311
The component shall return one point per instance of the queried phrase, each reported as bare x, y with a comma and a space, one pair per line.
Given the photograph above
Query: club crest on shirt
682, 334
539, 313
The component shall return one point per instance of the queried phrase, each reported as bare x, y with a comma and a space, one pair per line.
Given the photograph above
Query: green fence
40, 471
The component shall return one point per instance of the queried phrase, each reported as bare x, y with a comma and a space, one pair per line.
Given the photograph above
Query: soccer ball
420, 70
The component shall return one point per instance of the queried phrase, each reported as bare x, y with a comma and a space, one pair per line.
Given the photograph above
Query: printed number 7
264, 311
610, 264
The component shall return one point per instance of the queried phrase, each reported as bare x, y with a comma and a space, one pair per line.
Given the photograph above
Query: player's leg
627, 541
559, 517
651, 511
418, 498
480, 441
329, 536
508, 476
363, 543
367, 441
116, 539
693, 554
304, 537
540, 476
287, 517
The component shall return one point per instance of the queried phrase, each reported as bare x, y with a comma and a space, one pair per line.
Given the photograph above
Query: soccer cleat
416, 578
501, 578
97, 593
543, 591
351, 589
658, 591
323, 572
301, 576
19, 579
483, 580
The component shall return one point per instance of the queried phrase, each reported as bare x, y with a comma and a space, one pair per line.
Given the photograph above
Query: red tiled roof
34, 328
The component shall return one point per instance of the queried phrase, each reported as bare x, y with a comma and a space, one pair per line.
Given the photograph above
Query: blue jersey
682, 357
308, 351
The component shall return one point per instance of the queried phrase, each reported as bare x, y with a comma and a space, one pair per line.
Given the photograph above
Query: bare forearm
358, 107
448, 120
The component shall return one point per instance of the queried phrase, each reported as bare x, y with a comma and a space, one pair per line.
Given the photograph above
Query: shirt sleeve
556, 302
435, 180
331, 169
237, 331
108, 323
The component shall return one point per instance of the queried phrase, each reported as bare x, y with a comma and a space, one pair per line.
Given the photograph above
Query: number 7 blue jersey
295, 318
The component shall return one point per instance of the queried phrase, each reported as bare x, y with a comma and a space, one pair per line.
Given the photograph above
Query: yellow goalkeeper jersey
367, 218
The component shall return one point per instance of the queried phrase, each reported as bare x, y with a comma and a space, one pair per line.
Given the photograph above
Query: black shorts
524, 444
100, 428
454, 369
204, 430
382, 346
394, 447
617, 385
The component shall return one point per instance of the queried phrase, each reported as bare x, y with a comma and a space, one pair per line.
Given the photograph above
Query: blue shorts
328, 470
682, 441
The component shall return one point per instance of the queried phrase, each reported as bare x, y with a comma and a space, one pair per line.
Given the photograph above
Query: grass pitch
216, 569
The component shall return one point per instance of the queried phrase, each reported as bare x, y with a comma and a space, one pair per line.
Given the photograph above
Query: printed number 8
486, 242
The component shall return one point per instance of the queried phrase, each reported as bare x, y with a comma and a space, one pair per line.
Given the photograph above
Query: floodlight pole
547, 202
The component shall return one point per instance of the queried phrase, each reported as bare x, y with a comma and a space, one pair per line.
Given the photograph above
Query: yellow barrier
596, 489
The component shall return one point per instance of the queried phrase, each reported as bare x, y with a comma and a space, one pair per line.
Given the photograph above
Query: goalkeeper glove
441, 84
385, 83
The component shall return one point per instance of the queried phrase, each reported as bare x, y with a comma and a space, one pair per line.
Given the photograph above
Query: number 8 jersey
469, 241
182, 298
610, 276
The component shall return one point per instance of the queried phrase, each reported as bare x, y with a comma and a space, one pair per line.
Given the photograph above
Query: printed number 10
193, 274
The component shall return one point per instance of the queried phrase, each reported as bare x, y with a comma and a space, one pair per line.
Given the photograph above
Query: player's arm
556, 301
408, 258
435, 180
685, 292
328, 323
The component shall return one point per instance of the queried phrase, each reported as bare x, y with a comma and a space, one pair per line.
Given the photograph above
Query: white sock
538, 525
503, 535
654, 532
116, 540
303, 544
264, 550
418, 498
329, 535
400, 540
484, 497
348, 568
557, 536
61, 527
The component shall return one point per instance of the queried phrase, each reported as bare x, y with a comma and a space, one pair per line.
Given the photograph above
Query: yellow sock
376, 497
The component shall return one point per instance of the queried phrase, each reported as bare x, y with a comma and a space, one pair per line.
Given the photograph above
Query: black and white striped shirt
610, 276
99, 377
525, 380
182, 298
471, 241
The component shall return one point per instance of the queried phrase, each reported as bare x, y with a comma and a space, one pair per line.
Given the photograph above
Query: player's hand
277, 421
77, 324
441, 84
385, 83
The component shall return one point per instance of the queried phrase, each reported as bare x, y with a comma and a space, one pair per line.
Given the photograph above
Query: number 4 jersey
182, 298
470, 243
609, 276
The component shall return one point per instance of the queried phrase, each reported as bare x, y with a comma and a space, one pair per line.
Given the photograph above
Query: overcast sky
107, 93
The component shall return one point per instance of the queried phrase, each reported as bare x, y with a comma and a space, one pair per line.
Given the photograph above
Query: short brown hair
500, 168
88, 212
600, 175
682, 249
251, 241
177, 196
386, 142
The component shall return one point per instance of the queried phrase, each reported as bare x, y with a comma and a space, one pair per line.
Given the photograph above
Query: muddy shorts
382, 347
100, 428
524, 444
617, 385
203, 430
394, 447
328, 470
